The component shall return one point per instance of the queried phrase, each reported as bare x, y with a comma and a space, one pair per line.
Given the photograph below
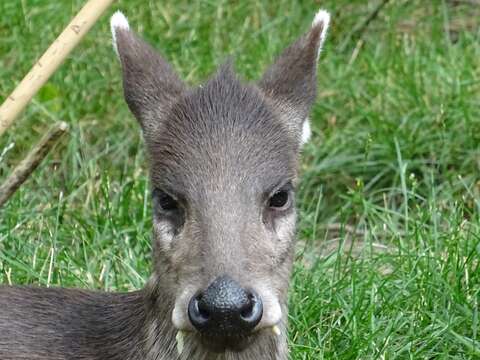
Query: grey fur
221, 150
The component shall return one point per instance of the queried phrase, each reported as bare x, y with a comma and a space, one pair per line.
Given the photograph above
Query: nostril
202, 307
247, 309
197, 313
252, 312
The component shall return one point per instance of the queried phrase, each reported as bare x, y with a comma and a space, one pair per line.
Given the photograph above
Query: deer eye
279, 200
164, 202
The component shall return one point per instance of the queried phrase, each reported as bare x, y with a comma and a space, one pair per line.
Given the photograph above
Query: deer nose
225, 309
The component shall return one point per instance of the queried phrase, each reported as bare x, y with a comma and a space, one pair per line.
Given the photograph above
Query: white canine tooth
276, 330
180, 342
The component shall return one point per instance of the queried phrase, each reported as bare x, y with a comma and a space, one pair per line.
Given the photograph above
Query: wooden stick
361, 29
50, 61
358, 31
23, 170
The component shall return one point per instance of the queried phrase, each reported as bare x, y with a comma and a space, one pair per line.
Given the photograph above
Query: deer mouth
220, 344
224, 342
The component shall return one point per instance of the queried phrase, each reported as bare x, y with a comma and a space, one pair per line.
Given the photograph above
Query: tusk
180, 341
276, 330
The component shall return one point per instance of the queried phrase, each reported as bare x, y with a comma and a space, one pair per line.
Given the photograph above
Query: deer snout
225, 309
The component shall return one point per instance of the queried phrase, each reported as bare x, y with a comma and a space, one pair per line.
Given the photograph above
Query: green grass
388, 258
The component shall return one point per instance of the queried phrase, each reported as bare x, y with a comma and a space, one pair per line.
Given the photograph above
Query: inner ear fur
149, 82
291, 82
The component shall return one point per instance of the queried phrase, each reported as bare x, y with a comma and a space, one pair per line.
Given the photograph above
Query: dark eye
164, 201
279, 200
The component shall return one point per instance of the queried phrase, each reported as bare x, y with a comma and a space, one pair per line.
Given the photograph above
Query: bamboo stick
23, 170
50, 61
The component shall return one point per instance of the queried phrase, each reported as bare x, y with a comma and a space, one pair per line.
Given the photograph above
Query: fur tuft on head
118, 21
322, 18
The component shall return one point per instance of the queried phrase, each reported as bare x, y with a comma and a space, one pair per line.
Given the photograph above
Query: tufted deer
223, 166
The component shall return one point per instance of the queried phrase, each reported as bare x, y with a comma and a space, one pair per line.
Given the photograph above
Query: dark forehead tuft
225, 104
224, 129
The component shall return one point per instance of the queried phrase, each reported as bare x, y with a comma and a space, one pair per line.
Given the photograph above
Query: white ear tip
322, 16
306, 131
118, 21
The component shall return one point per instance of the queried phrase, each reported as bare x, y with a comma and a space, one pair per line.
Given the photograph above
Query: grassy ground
388, 259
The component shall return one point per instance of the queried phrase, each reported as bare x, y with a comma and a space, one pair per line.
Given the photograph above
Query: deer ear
150, 84
291, 82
